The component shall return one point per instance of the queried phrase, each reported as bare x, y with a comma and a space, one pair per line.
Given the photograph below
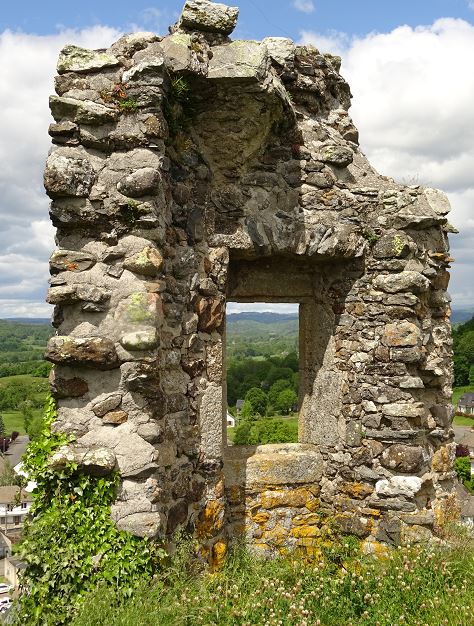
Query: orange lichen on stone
219, 551
210, 520
305, 531
358, 491
285, 498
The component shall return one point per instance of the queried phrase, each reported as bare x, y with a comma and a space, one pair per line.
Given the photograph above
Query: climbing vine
70, 544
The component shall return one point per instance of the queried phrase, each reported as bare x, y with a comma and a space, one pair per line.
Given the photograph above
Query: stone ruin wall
190, 170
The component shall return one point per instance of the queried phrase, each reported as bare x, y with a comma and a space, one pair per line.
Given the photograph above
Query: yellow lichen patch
236, 495
261, 517
312, 504
358, 491
443, 459
446, 510
210, 520
305, 531
219, 550
276, 536
285, 498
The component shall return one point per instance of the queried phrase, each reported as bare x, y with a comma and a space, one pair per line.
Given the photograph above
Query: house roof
239, 403
467, 398
10, 494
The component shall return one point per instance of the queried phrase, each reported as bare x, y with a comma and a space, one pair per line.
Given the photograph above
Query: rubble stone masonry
189, 170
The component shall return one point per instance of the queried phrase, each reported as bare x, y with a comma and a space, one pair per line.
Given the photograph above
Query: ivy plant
70, 543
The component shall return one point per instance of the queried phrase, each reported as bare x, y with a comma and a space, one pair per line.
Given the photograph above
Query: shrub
266, 431
71, 543
462, 450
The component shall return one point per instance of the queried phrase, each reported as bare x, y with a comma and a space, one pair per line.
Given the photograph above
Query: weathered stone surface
393, 245
208, 16
71, 261
148, 262
76, 59
141, 183
443, 459
404, 281
106, 403
81, 111
148, 525
336, 155
250, 187
401, 334
239, 60
437, 200
67, 387
403, 458
210, 313
177, 51
65, 176
399, 486
95, 461
140, 340
115, 417
92, 352
280, 49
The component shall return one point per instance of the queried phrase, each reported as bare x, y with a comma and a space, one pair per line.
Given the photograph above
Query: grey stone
76, 59
239, 60
208, 16
94, 352
81, 111
140, 340
340, 156
96, 461
177, 51
280, 49
407, 459
141, 183
71, 261
105, 403
65, 176
404, 281
399, 486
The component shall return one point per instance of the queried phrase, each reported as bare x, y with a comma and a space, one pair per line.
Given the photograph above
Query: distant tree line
463, 345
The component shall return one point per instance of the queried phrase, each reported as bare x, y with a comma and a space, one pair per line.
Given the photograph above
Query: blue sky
408, 63
258, 18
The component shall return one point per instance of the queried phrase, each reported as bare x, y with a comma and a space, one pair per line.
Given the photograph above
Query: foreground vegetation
409, 586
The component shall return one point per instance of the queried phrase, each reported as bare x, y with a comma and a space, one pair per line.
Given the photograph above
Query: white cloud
412, 103
26, 239
306, 6
335, 42
261, 307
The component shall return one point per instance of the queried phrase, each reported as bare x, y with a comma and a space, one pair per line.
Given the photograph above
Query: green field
460, 420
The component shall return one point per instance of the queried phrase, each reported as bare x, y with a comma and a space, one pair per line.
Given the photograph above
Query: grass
20, 378
461, 420
411, 586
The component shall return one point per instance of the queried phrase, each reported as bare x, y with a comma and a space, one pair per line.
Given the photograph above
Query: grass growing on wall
416, 586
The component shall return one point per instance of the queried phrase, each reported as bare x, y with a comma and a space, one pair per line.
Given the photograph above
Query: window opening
262, 373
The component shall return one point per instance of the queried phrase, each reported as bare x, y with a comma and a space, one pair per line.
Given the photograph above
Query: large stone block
68, 176
239, 60
76, 59
92, 352
209, 16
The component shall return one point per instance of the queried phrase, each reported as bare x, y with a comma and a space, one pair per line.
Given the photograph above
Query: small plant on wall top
179, 106
70, 543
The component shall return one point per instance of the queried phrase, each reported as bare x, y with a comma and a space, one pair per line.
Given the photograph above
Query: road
16, 450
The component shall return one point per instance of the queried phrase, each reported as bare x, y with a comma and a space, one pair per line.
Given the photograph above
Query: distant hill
22, 344
459, 316
27, 320
261, 334
263, 318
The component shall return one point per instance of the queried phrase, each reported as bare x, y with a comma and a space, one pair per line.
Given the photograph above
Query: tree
471, 375
257, 400
286, 400
277, 387
461, 371
2, 427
